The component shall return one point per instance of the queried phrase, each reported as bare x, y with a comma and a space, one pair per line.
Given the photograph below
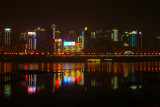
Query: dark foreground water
80, 84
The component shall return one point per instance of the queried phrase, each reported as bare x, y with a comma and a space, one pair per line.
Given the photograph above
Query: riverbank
78, 58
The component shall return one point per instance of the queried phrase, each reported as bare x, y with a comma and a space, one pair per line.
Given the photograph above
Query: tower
7, 38
53, 26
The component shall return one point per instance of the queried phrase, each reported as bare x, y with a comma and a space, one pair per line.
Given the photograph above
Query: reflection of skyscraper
7, 36
31, 83
114, 82
7, 87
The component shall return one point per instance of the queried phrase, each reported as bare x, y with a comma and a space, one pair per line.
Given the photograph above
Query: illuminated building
41, 39
23, 41
114, 35
81, 39
72, 46
53, 26
57, 39
87, 40
136, 39
7, 36
125, 39
93, 34
58, 45
23, 36
31, 41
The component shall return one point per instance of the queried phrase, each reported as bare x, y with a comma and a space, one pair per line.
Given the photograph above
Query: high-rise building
58, 45
125, 39
114, 35
58, 42
53, 26
7, 37
87, 40
41, 39
31, 41
136, 39
23, 36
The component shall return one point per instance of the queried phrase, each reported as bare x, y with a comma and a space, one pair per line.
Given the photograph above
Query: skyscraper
87, 40
41, 38
23, 41
115, 35
134, 38
7, 37
31, 41
53, 26
125, 39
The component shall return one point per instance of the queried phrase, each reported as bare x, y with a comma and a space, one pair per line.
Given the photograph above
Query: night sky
124, 15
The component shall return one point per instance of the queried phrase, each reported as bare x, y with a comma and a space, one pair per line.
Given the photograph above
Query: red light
31, 90
57, 83
26, 77
78, 79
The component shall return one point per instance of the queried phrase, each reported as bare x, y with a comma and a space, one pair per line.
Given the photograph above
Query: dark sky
24, 15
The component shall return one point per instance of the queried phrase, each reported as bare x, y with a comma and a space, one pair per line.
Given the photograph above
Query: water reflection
7, 90
109, 67
68, 77
113, 75
31, 83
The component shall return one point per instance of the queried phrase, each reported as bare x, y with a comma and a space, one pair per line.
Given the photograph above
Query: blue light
65, 43
69, 43
67, 80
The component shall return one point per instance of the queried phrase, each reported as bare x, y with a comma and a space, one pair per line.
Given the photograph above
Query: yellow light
31, 33
85, 29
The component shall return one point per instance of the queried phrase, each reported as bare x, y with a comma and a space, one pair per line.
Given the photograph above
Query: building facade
7, 37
